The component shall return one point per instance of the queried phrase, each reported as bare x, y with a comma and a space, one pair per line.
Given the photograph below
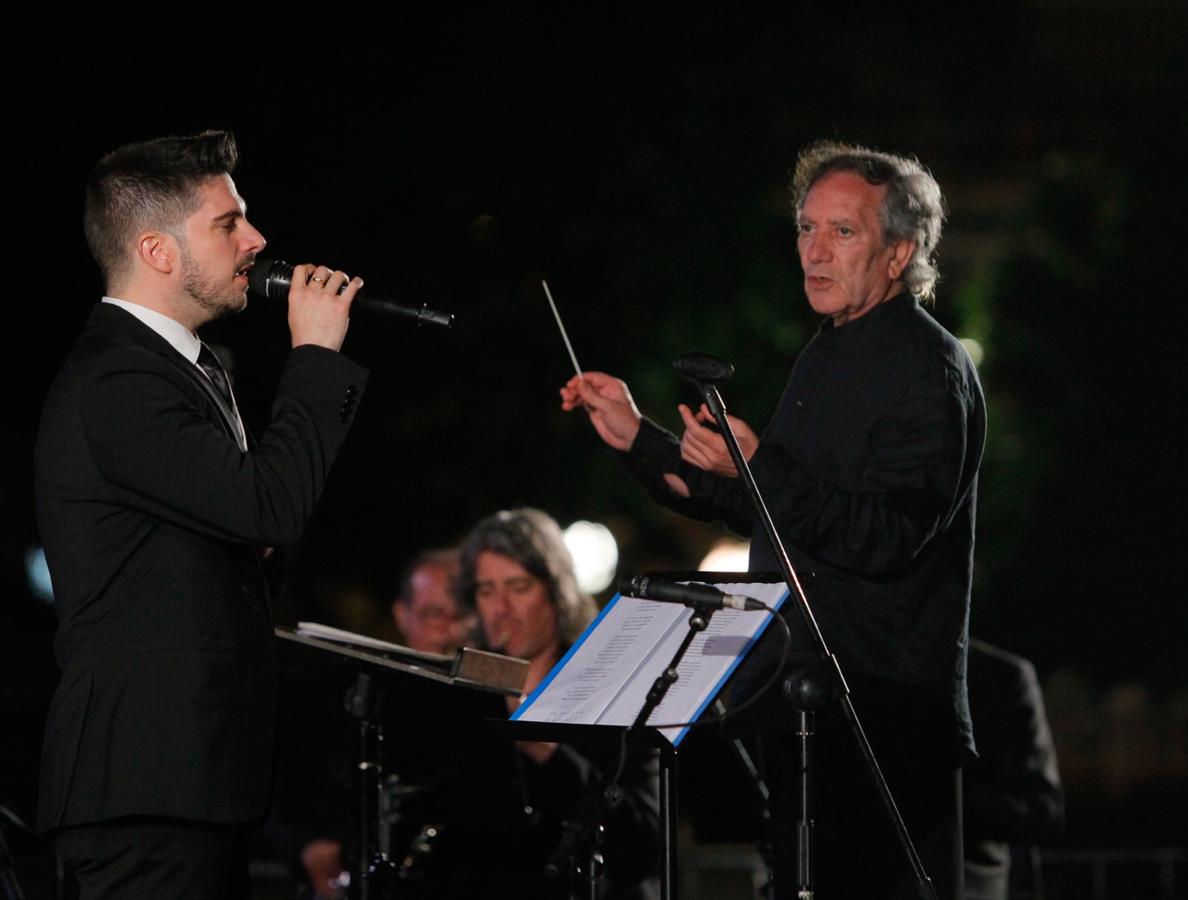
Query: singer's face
218, 246
517, 614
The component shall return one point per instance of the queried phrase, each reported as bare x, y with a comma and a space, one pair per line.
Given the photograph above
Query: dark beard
217, 299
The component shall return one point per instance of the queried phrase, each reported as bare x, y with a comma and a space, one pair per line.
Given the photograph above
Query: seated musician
476, 815
518, 575
426, 610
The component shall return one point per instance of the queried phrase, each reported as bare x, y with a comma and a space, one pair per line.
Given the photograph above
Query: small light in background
974, 349
595, 555
727, 555
38, 576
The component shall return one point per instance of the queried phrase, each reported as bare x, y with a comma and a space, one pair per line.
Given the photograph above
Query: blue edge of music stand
600, 735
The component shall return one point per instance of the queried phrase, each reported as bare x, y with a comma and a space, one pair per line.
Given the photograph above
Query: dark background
638, 158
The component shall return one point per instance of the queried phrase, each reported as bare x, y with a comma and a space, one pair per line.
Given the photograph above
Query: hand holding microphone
271, 278
319, 305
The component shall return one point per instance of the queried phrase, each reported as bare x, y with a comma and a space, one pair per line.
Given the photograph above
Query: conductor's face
848, 266
517, 615
218, 246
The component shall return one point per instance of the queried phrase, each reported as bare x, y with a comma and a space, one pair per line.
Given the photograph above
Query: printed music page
605, 677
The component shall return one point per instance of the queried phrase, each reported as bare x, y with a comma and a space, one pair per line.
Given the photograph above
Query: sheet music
329, 633
606, 676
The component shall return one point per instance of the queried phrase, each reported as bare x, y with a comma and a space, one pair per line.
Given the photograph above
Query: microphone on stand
270, 278
703, 368
696, 595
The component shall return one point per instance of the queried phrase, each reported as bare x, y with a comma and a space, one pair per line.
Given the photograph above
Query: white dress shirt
185, 342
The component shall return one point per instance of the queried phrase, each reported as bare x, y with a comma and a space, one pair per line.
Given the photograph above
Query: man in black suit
1012, 795
156, 513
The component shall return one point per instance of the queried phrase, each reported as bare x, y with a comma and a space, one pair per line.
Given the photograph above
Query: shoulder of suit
107, 351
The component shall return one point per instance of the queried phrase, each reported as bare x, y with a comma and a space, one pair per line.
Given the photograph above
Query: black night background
638, 157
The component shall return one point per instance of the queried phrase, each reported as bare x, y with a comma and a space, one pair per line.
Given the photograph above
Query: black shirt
869, 469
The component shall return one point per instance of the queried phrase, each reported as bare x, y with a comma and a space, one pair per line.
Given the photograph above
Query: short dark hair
152, 184
913, 208
533, 539
446, 559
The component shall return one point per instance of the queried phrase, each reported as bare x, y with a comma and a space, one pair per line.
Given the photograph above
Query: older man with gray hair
869, 469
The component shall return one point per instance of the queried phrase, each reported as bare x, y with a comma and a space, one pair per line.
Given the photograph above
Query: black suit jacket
1012, 792
152, 521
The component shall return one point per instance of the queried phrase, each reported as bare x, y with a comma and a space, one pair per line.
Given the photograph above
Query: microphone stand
374, 873
598, 802
831, 670
10, 885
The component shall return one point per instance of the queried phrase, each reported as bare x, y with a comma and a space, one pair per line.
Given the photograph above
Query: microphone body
270, 278
703, 368
695, 595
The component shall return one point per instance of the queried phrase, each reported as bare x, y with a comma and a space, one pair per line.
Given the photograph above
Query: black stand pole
833, 673
807, 690
373, 871
804, 827
582, 827
10, 886
668, 822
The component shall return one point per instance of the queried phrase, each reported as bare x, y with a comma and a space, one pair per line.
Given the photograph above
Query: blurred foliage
1081, 525
638, 160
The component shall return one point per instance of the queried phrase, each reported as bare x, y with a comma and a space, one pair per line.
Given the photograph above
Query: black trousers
151, 859
856, 853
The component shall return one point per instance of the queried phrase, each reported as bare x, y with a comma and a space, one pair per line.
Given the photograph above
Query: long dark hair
533, 539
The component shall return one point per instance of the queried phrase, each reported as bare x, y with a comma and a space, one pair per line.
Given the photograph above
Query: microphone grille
270, 278
703, 368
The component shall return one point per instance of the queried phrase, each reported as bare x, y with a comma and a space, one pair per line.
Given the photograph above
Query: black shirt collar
889, 310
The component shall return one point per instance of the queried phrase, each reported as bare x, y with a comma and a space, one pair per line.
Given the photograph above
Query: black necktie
210, 365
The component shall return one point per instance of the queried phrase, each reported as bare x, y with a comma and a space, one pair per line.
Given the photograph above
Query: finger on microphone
350, 289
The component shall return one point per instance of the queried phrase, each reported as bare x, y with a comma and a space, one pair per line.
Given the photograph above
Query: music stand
604, 740
468, 668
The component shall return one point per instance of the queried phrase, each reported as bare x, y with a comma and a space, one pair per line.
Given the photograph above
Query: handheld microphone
270, 278
695, 595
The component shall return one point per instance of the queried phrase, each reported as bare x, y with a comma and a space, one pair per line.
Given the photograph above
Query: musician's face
218, 245
517, 614
429, 618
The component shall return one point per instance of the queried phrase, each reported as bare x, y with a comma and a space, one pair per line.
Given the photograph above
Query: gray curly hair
913, 207
533, 539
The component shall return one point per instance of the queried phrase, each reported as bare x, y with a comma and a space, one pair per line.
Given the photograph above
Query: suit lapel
107, 315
